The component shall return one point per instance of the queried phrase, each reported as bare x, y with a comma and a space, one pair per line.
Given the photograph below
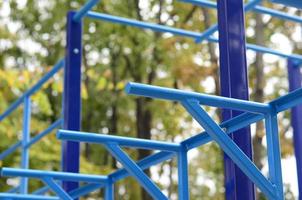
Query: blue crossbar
55, 175
10, 150
10, 196
294, 3
122, 141
204, 99
48, 130
84, 9
191, 34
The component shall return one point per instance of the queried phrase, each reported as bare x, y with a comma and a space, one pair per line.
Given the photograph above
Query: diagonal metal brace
229, 147
56, 188
135, 171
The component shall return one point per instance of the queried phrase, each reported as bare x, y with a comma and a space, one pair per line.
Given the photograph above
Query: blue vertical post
234, 83
72, 96
183, 176
109, 191
273, 153
294, 79
25, 140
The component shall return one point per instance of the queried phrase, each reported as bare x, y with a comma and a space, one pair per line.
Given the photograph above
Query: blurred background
32, 39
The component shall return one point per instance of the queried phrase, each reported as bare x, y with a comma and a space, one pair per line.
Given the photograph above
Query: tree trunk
213, 57
259, 85
143, 126
114, 107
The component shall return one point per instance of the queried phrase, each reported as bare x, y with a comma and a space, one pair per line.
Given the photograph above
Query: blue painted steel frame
73, 57
234, 84
295, 81
72, 96
272, 188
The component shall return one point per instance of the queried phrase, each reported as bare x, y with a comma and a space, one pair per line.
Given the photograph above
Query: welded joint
278, 196
110, 180
273, 109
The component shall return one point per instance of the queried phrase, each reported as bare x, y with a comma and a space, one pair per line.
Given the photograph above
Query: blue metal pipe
59, 65
143, 164
41, 190
183, 175
10, 150
86, 189
273, 154
230, 148
257, 8
56, 188
279, 14
204, 3
258, 48
9, 196
122, 141
287, 101
191, 34
251, 5
140, 24
84, 9
35, 139
231, 125
109, 191
13, 190
25, 140
136, 171
12, 107
262, 49
66, 176
204, 99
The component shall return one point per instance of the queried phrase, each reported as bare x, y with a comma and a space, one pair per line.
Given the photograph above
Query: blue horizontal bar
10, 150
55, 175
84, 190
204, 3
140, 24
279, 14
181, 32
123, 141
262, 49
59, 65
11, 196
143, 164
35, 139
287, 101
257, 8
273, 52
251, 5
204, 99
56, 188
84, 9
230, 126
